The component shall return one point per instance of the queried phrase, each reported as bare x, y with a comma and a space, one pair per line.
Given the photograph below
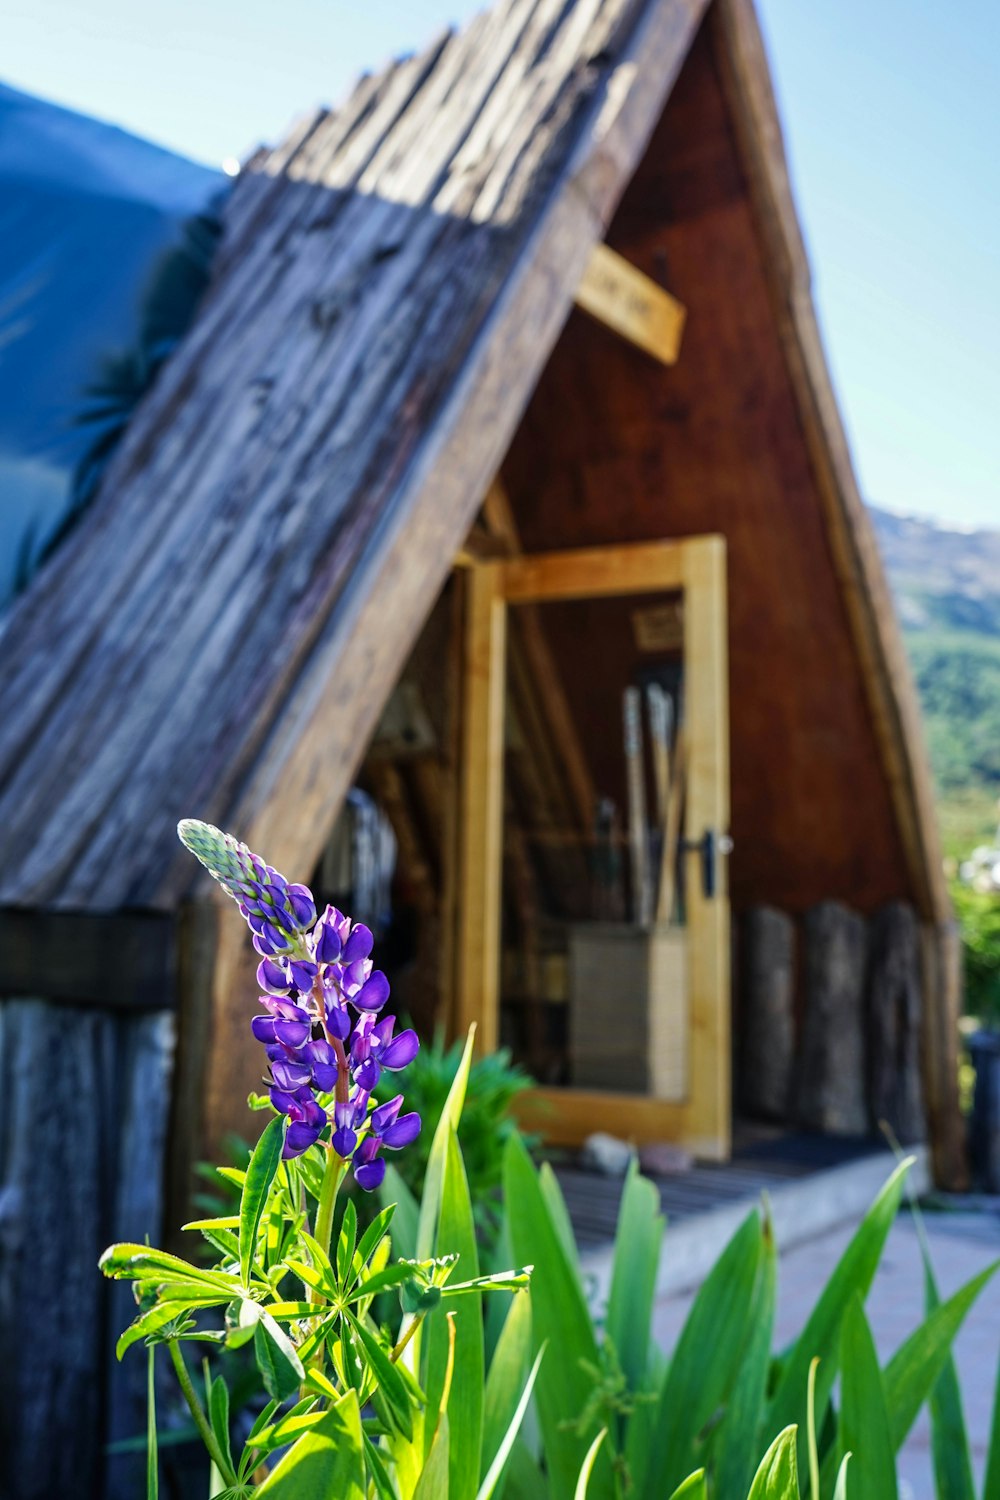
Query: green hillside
947, 588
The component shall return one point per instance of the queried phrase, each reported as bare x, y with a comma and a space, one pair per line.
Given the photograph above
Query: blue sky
892, 120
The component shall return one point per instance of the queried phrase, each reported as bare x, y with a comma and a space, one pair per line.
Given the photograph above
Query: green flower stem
411, 1329
333, 1175
200, 1419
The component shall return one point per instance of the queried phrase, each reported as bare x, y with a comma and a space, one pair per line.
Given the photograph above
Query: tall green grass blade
840, 1488
949, 1436
456, 1235
706, 1362
814, 1490
864, 1428
493, 1479
524, 1480
508, 1371
739, 1438
328, 1460
559, 1318
430, 1203
915, 1368
991, 1480
559, 1213
583, 1480
264, 1164
695, 1487
820, 1339
405, 1220
778, 1475
152, 1456
638, 1242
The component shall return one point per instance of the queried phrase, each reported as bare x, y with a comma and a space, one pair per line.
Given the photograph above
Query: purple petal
368, 1150
292, 1033
271, 977
277, 939
403, 1132
359, 944
385, 1114
338, 1022
262, 944
300, 899
344, 1141
382, 1031
290, 1074
373, 993
328, 944
284, 1102
400, 1051
359, 1107
367, 1076
302, 974
354, 975
370, 1174
298, 1138
263, 1028
325, 1076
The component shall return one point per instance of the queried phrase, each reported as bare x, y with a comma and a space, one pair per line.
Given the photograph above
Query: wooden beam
481, 831
595, 572
625, 299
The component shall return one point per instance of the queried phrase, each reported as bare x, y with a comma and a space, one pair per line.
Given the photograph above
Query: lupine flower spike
323, 1030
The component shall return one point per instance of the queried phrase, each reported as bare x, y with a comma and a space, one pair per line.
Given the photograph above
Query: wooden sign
625, 299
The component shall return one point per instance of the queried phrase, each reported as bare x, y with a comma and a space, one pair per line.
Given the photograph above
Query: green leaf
326, 1461
695, 1487
384, 1488
277, 1359
494, 1476
373, 1235
552, 1193
346, 1241
820, 1339
141, 1262
456, 1235
914, 1369
706, 1362
991, 1483
218, 1413
433, 1481
152, 1456
506, 1376
840, 1488
778, 1475
580, 1493
430, 1203
390, 1379
394, 1193
740, 1433
638, 1242
949, 1435
150, 1322
229, 1221
559, 1318
864, 1428
525, 1480
261, 1172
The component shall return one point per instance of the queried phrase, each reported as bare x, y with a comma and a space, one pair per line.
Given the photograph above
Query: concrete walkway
962, 1244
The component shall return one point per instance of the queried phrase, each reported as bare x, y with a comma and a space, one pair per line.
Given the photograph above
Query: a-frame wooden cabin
387, 421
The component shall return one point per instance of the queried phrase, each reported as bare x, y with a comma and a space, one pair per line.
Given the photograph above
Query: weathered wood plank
894, 1019
830, 1073
767, 1021
630, 303
116, 960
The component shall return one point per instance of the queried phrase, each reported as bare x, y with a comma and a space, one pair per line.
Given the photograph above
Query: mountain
947, 589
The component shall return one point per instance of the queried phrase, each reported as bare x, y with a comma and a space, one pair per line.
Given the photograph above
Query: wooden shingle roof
217, 636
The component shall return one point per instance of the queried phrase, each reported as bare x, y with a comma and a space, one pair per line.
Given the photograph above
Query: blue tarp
105, 246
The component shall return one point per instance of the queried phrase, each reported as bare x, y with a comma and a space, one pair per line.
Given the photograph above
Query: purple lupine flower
314, 971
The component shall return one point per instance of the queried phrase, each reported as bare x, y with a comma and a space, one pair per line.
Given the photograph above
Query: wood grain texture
218, 635
632, 304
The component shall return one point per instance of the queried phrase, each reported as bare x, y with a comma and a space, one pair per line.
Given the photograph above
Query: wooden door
695, 569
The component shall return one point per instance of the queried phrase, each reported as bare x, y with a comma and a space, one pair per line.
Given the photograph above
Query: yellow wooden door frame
696, 567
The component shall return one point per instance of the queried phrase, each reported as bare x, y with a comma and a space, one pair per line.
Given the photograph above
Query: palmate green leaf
740, 1433
278, 1361
346, 1241
820, 1339
778, 1475
706, 1362
143, 1263
218, 1415
863, 1428
638, 1242
456, 1235
326, 1461
914, 1369
494, 1477
559, 1318
372, 1237
264, 1164
151, 1322
583, 1479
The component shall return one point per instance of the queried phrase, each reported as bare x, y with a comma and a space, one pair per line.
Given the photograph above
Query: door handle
710, 846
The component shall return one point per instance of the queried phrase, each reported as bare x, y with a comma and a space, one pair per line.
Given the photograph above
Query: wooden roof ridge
878, 639
218, 634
